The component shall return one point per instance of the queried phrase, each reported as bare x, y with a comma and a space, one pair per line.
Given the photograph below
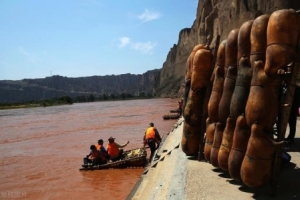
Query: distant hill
57, 86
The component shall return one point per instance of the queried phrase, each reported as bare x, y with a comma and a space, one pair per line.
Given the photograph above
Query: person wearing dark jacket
94, 158
293, 116
151, 138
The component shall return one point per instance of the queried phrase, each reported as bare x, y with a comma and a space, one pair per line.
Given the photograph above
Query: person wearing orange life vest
152, 137
94, 158
100, 147
113, 149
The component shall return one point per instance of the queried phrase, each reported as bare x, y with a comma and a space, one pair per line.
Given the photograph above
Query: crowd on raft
100, 155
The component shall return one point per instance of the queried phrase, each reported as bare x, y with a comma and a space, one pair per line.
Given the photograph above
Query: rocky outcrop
214, 17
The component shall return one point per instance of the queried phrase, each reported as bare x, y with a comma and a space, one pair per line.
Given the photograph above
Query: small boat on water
175, 111
130, 159
171, 116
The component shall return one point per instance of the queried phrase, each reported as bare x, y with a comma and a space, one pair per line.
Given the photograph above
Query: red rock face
213, 19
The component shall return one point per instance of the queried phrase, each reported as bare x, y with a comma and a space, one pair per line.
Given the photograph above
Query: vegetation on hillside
68, 100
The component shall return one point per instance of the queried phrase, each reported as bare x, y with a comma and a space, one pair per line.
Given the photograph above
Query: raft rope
283, 44
254, 158
257, 52
237, 149
264, 86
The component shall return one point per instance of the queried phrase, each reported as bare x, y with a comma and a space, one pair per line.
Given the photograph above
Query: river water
42, 148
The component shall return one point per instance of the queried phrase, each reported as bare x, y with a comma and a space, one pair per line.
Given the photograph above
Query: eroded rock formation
214, 17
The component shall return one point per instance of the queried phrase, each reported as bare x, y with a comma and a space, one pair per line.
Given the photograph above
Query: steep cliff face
214, 17
173, 69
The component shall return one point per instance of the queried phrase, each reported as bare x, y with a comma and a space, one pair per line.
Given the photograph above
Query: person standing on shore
151, 138
293, 116
180, 106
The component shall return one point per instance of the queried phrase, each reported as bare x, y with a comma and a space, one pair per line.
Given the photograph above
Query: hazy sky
76, 38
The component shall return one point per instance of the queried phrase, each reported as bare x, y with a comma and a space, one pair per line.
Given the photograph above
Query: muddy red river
42, 148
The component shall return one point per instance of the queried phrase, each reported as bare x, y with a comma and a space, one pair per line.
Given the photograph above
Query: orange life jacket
150, 133
112, 150
95, 154
98, 146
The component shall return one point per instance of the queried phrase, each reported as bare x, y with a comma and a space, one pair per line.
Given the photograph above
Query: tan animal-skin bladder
282, 37
194, 105
200, 78
216, 144
262, 106
230, 75
282, 33
240, 93
190, 139
214, 100
210, 131
242, 130
244, 74
258, 38
238, 149
226, 143
217, 89
188, 72
228, 87
257, 163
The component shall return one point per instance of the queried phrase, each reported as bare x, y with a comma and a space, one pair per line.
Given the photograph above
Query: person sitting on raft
94, 158
100, 147
113, 149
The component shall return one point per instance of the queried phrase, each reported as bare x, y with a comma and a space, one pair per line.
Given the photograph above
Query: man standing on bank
293, 116
151, 138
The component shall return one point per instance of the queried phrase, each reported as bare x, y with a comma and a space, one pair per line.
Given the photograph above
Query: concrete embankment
177, 176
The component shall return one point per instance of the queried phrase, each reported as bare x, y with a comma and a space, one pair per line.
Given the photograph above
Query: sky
80, 38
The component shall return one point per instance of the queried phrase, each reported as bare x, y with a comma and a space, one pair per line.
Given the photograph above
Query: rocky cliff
214, 17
